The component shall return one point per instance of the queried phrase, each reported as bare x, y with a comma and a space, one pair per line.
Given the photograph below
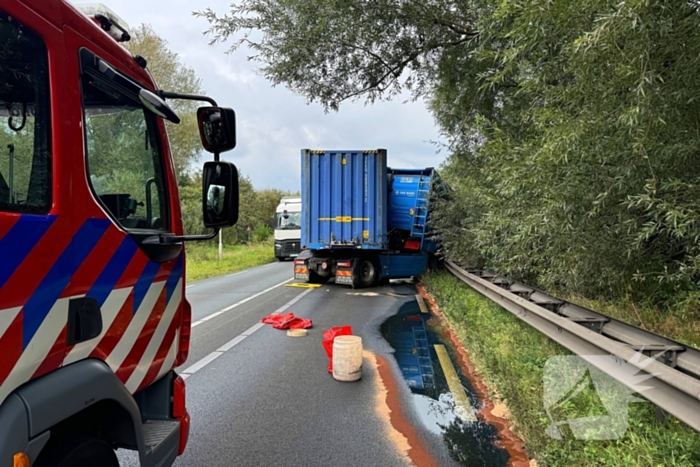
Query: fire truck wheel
78, 451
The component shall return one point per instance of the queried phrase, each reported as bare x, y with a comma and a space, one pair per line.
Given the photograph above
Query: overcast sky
274, 123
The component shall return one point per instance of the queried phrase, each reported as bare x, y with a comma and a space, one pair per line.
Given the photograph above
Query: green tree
330, 51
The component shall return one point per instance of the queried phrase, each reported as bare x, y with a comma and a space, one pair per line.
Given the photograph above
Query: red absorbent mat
287, 321
328, 338
300, 323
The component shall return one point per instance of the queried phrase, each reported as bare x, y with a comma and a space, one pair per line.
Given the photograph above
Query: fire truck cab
93, 313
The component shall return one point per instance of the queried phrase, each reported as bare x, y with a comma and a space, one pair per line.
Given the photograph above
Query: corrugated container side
344, 199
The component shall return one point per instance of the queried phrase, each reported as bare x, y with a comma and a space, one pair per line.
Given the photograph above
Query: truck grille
291, 247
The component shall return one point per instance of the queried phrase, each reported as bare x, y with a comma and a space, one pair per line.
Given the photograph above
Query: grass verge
203, 259
511, 357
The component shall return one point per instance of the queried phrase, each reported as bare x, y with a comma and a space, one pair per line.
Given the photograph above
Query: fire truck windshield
25, 158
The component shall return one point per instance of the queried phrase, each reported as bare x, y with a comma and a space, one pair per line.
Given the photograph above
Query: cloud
274, 124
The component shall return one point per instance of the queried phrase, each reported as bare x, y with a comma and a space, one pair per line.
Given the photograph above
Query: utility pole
221, 247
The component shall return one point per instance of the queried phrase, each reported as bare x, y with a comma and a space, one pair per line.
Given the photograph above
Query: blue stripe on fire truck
58, 277
109, 277
19, 241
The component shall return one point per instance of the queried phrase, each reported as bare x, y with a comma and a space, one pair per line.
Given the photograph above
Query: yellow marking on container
343, 219
365, 234
421, 304
302, 285
343, 161
463, 408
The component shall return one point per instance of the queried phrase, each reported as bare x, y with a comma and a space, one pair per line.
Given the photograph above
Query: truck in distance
287, 225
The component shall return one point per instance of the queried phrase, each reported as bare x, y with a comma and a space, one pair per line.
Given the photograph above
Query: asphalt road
260, 398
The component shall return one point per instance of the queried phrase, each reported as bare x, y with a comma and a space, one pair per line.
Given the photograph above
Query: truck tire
280, 258
367, 273
435, 263
78, 451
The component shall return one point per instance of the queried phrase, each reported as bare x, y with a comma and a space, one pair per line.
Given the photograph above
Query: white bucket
347, 358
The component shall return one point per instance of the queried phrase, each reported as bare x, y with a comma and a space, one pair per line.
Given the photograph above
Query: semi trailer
362, 222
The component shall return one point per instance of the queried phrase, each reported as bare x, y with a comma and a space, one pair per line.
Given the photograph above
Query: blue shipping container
408, 201
344, 199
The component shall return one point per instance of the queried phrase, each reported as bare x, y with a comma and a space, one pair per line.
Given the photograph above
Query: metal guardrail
673, 369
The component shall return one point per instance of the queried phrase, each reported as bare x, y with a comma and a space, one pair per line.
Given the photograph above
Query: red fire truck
93, 314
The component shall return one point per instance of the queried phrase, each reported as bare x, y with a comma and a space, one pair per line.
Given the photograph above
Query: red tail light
180, 412
185, 330
299, 261
412, 245
179, 397
344, 264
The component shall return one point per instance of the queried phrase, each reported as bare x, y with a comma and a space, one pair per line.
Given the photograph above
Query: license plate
301, 277
343, 280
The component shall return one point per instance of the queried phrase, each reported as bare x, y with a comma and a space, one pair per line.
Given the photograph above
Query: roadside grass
510, 356
203, 259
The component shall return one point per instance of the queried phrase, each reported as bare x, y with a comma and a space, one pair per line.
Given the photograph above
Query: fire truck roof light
118, 28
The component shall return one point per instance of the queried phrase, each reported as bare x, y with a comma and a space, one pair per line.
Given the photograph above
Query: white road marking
231, 343
236, 273
202, 363
191, 285
245, 300
238, 339
252, 329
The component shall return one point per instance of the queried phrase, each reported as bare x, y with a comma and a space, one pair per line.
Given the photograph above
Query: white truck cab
287, 225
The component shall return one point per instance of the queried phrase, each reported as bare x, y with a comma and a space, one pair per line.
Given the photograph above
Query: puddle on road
413, 338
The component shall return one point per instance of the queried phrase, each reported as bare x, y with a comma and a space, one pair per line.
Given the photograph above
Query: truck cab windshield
293, 221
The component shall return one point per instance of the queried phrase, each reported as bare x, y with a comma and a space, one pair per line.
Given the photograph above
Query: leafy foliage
578, 164
331, 51
256, 209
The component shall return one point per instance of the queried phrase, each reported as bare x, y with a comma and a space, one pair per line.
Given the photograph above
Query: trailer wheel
367, 273
78, 451
435, 263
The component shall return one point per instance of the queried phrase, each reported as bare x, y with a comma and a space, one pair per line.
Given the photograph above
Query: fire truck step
157, 431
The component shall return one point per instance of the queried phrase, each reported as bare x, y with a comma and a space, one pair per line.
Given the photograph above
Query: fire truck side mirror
220, 194
217, 128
